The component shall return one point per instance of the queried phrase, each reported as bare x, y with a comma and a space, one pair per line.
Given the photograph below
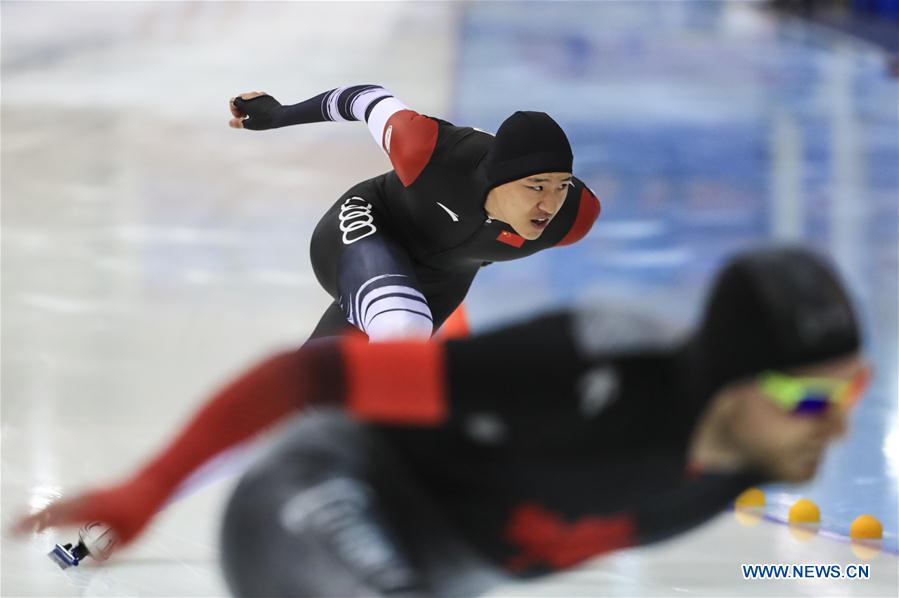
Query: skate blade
62, 557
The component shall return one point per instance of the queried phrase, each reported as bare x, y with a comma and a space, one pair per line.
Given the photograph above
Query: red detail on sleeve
510, 239
409, 140
396, 382
587, 213
545, 539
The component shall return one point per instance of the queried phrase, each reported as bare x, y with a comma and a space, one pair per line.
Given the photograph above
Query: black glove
261, 112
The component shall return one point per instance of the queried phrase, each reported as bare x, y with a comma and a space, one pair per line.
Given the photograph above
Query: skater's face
529, 204
787, 444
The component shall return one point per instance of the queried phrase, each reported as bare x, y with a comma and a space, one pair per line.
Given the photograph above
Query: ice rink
149, 251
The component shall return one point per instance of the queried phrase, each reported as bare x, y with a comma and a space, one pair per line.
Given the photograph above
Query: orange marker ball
752, 498
866, 527
804, 511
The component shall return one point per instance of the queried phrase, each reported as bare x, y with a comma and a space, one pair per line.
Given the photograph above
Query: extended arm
399, 382
407, 137
525, 372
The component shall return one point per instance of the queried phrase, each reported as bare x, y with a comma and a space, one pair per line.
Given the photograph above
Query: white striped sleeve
379, 116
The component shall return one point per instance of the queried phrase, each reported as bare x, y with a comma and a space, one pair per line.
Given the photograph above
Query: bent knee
395, 312
400, 324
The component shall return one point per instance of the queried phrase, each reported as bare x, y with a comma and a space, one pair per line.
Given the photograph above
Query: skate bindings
94, 539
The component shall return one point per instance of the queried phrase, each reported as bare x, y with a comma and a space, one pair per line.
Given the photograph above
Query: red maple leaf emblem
544, 539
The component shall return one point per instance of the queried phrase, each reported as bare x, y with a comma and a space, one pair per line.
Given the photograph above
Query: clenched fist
255, 110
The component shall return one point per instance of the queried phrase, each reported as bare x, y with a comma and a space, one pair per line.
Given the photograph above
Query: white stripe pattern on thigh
361, 291
389, 304
376, 294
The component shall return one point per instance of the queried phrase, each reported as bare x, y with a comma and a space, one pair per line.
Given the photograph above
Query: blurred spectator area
876, 21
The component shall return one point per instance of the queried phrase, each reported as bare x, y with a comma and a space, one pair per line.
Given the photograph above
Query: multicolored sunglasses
806, 394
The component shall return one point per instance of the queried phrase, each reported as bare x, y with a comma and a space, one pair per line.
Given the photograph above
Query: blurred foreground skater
445, 468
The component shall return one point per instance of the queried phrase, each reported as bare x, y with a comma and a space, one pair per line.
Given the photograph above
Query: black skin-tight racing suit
398, 252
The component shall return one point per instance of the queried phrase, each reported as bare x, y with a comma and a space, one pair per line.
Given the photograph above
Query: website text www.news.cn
806, 571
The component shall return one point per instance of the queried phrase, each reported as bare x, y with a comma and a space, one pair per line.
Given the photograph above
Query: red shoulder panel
587, 213
409, 140
400, 382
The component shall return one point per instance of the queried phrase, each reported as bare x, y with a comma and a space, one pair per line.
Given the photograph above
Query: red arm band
396, 382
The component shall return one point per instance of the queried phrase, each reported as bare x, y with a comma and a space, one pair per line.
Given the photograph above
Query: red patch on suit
587, 212
510, 239
409, 140
397, 382
545, 539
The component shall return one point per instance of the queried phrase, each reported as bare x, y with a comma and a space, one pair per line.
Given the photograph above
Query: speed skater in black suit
398, 252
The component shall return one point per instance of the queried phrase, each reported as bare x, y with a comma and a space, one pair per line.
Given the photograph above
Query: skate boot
94, 539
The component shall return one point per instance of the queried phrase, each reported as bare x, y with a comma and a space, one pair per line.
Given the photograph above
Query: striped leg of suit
368, 272
388, 306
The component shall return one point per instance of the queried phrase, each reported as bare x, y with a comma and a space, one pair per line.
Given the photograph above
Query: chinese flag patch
510, 239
